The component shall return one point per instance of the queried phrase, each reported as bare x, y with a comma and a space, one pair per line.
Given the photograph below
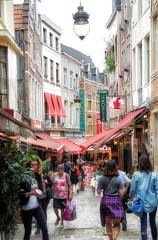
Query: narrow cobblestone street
87, 225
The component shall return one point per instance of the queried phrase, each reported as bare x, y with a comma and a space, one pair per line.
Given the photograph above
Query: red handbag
78, 172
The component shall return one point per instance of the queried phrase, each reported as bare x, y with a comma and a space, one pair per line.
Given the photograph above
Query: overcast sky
60, 12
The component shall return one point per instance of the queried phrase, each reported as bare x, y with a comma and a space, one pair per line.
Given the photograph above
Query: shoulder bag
109, 184
137, 207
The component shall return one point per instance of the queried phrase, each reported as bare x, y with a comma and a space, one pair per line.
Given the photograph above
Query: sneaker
124, 225
77, 191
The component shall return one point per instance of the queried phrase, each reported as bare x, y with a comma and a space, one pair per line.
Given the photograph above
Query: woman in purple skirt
111, 209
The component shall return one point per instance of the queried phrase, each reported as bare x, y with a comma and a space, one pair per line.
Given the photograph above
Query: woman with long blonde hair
29, 199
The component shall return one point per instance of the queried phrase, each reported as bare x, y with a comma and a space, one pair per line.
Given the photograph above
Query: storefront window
3, 77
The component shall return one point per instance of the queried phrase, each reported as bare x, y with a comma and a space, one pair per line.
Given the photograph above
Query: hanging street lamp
81, 25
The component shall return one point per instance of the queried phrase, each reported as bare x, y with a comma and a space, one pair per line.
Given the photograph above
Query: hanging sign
99, 124
151, 146
103, 107
135, 152
117, 105
82, 111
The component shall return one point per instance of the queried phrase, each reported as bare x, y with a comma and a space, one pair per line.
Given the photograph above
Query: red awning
70, 146
49, 103
94, 139
124, 122
53, 145
61, 106
55, 102
44, 136
77, 141
118, 135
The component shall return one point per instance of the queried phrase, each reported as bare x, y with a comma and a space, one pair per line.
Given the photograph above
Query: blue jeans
39, 215
152, 222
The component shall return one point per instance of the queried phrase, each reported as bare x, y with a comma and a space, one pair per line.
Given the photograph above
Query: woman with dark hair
74, 177
29, 199
111, 209
142, 181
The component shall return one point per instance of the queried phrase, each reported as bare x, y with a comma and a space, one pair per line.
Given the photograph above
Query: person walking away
66, 166
126, 182
111, 209
139, 185
82, 168
53, 164
62, 192
29, 200
74, 177
44, 200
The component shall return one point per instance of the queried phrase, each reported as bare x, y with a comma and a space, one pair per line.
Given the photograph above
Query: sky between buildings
60, 12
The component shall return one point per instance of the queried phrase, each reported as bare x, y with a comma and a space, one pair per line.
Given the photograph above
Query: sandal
62, 225
57, 222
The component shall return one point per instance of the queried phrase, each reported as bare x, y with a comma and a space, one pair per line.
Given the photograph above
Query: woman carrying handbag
111, 208
146, 181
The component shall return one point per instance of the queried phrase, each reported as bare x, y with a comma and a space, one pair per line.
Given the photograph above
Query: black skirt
59, 203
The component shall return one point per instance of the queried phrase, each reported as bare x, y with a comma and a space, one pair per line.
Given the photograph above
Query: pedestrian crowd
60, 182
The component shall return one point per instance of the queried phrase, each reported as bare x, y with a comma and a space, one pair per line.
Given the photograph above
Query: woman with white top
29, 200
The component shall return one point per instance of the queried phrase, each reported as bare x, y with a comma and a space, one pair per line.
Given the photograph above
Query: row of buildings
42, 80
131, 56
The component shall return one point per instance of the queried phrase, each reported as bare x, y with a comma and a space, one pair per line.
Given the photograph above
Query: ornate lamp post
81, 25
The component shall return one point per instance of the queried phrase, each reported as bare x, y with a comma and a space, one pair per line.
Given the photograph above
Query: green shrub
12, 173
110, 62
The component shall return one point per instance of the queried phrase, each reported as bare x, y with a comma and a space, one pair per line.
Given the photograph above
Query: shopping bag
137, 207
70, 211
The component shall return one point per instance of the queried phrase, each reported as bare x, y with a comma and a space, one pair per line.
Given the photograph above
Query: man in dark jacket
66, 166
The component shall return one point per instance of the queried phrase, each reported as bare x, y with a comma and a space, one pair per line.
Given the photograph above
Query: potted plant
110, 56
12, 172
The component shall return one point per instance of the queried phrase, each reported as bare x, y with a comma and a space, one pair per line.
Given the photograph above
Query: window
3, 78
44, 35
140, 65
148, 59
89, 102
51, 70
139, 8
65, 77
134, 78
71, 79
57, 72
57, 44
98, 103
45, 67
77, 82
71, 114
51, 39
125, 11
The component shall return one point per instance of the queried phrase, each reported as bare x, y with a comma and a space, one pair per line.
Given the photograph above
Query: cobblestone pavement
87, 225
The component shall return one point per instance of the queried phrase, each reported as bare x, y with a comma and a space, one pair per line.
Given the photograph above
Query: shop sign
117, 105
82, 111
36, 124
103, 107
81, 83
135, 152
151, 146
99, 124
